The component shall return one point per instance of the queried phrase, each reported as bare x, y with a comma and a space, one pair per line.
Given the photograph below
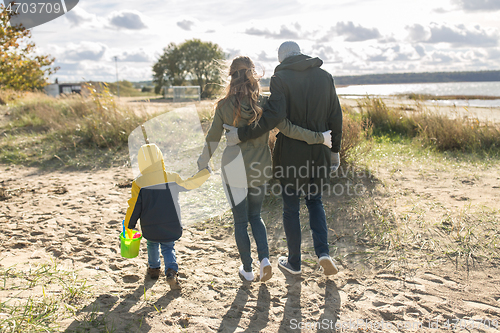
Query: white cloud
232, 53
351, 32
387, 40
494, 54
441, 57
440, 11
285, 32
79, 17
347, 39
135, 56
417, 33
78, 72
101, 71
461, 36
478, 5
84, 51
420, 50
457, 36
127, 19
263, 56
378, 57
355, 33
185, 24
326, 53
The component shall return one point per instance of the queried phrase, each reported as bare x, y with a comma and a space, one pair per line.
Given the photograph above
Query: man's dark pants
291, 223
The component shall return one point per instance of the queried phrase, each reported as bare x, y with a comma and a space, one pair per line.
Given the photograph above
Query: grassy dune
424, 180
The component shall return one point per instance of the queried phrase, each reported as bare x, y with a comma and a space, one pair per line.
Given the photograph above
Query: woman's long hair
244, 81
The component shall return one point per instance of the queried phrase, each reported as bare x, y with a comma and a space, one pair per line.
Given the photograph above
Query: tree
169, 69
20, 68
194, 61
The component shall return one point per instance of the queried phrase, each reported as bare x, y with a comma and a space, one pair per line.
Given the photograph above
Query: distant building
56, 89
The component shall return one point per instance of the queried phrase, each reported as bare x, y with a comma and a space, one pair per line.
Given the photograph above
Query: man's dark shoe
173, 279
284, 264
154, 273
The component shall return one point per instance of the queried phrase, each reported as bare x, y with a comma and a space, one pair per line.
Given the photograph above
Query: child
155, 200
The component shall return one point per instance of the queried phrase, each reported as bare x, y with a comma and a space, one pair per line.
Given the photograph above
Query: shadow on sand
95, 317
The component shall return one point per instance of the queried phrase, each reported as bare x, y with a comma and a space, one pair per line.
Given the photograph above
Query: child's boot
172, 279
154, 273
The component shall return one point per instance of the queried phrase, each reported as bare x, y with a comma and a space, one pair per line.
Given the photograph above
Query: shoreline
481, 113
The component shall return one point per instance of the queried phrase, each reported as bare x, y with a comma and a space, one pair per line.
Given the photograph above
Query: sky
352, 37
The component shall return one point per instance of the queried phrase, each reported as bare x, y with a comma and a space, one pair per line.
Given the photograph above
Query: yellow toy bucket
129, 247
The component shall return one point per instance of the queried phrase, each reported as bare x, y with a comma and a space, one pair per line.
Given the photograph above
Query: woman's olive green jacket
256, 154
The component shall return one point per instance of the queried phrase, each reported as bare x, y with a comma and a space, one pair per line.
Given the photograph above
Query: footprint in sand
56, 253
194, 248
19, 245
114, 267
130, 278
483, 306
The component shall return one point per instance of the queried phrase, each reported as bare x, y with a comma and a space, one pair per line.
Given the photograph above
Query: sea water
437, 89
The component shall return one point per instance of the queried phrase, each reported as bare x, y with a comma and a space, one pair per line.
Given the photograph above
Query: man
305, 94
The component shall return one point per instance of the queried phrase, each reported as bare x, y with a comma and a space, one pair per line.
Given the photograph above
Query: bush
355, 131
7, 95
387, 120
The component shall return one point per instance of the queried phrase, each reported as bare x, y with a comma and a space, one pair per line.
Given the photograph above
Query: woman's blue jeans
291, 223
168, 252
244, 212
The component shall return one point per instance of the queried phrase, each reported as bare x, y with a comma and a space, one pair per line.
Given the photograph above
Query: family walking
304, 106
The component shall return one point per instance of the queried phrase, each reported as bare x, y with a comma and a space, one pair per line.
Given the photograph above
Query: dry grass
431, 129
355, 132
420, 97
73, 130
44, 295
7, 96
76, 120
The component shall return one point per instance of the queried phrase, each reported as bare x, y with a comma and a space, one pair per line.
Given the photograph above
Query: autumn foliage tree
20, 67
194, 62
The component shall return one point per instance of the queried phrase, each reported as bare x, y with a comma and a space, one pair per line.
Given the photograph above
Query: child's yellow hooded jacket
155, 197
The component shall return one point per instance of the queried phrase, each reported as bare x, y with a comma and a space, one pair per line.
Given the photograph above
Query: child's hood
150, 159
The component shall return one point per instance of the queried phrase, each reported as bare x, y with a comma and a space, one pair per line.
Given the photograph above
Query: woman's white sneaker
328, 265
266, 270
246, 275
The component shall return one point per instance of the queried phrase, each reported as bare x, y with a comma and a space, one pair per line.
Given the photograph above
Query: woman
247, 167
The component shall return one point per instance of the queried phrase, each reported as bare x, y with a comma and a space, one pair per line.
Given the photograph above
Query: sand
74, 218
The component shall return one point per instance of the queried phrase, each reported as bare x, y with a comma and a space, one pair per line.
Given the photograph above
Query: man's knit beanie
288, 49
